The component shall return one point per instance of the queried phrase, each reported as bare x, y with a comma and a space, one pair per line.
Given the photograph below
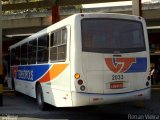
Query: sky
114, 4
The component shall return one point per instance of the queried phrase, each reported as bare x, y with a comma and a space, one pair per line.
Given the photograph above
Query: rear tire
40, 98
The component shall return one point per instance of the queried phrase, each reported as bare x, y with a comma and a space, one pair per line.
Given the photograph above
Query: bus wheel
40, 98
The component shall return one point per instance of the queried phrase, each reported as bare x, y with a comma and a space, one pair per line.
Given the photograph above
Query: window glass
58, 45
43, 43
53, 53
53, 39
110, 35
59, 39
61, 52
32, 47
64, 36
17, 55
24, 55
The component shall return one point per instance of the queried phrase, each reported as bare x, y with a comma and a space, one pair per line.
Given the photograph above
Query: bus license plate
116, 85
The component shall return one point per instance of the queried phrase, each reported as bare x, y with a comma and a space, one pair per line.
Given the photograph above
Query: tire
40, 98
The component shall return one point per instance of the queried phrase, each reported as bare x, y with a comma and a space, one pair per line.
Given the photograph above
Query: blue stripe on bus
139, 66
31, 73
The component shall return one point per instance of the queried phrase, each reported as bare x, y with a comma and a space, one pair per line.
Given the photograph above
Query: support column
1, 65
137, 7
55, 13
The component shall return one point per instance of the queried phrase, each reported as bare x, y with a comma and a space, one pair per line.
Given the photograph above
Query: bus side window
64, 36
24, 55
58, 45
43, 44
32, 47
53, 48
62, 47
17, 55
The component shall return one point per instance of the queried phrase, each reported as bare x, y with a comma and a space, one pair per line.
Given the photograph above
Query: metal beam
21, 28
26, 25
4, 0
47, 20
154, 22
20, 31
22, 6
151, 14
27, 22
78, 2
49, 3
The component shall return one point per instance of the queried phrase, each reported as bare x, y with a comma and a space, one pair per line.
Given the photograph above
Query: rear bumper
83, 99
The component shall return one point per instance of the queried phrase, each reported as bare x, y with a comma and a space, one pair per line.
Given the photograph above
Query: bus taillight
82, 88
77, 75
80, 82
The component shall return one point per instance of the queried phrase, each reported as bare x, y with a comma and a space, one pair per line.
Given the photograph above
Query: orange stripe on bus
56, 70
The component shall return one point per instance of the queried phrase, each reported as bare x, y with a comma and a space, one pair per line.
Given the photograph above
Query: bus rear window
112, 35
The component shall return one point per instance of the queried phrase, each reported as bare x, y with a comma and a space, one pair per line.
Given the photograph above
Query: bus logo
119, 65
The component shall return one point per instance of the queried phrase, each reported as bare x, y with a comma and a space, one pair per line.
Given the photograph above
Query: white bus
85, 59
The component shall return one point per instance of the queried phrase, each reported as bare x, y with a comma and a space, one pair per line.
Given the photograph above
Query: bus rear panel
114, 60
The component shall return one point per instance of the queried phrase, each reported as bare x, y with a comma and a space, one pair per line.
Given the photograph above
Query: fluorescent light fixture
153, 27
113, 4
109, 4
19, 35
